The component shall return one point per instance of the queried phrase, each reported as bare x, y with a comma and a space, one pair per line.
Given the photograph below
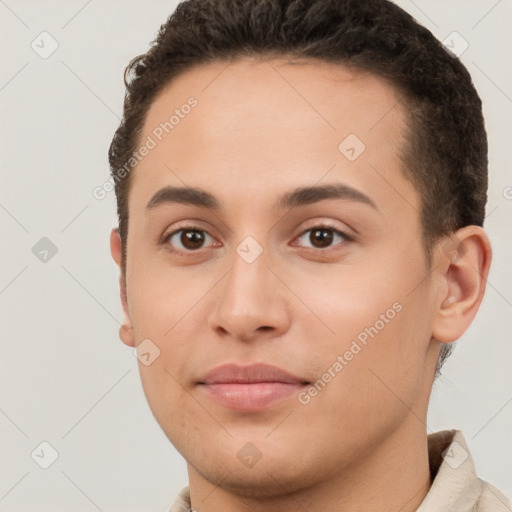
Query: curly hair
446, 153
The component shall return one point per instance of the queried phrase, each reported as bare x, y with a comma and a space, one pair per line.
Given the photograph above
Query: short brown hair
446, 153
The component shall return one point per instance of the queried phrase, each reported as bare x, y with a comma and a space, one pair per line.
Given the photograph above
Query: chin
265, 481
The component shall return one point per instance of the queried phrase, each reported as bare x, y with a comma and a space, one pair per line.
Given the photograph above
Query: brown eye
322, 237
192, 239
187, 239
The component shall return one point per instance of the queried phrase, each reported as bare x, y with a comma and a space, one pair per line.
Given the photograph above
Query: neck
392, 476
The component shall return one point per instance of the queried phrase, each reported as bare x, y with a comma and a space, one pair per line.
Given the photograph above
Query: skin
260, 129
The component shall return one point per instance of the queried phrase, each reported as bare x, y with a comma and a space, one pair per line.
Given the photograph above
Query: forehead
276, 93
258, 121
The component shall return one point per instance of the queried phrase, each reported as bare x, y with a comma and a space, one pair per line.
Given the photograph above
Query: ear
126, 329
463, 262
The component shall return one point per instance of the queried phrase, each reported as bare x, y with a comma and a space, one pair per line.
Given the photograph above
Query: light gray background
65, 376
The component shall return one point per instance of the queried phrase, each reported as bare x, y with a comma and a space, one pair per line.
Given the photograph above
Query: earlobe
126, 334
126, 329
463, 263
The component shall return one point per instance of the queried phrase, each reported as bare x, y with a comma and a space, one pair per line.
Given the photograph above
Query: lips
250, 388
257, 372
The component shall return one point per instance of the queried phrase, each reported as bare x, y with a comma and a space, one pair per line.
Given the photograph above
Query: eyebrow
300, 196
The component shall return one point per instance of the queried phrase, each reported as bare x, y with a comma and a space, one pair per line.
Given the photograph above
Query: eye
192, 238
323, 236
187, 239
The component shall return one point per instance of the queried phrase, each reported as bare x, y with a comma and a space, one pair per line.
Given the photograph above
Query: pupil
324, 236
192, 239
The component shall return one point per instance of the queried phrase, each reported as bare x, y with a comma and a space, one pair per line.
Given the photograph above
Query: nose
251, 302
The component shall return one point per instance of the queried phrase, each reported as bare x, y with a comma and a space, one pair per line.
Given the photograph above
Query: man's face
260, 283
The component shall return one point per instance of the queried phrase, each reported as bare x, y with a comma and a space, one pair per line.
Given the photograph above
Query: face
329, 285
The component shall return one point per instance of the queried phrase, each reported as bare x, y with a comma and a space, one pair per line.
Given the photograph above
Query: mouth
250, 388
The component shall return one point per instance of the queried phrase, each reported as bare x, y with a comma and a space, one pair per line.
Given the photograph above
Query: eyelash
321, 226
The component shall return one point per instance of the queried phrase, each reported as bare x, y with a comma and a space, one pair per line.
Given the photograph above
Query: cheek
173, 408
347, 301
368, 382
373, 319
161, 300
163, 310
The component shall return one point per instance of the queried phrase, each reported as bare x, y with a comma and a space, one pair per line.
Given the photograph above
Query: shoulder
455, 484
491, 499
